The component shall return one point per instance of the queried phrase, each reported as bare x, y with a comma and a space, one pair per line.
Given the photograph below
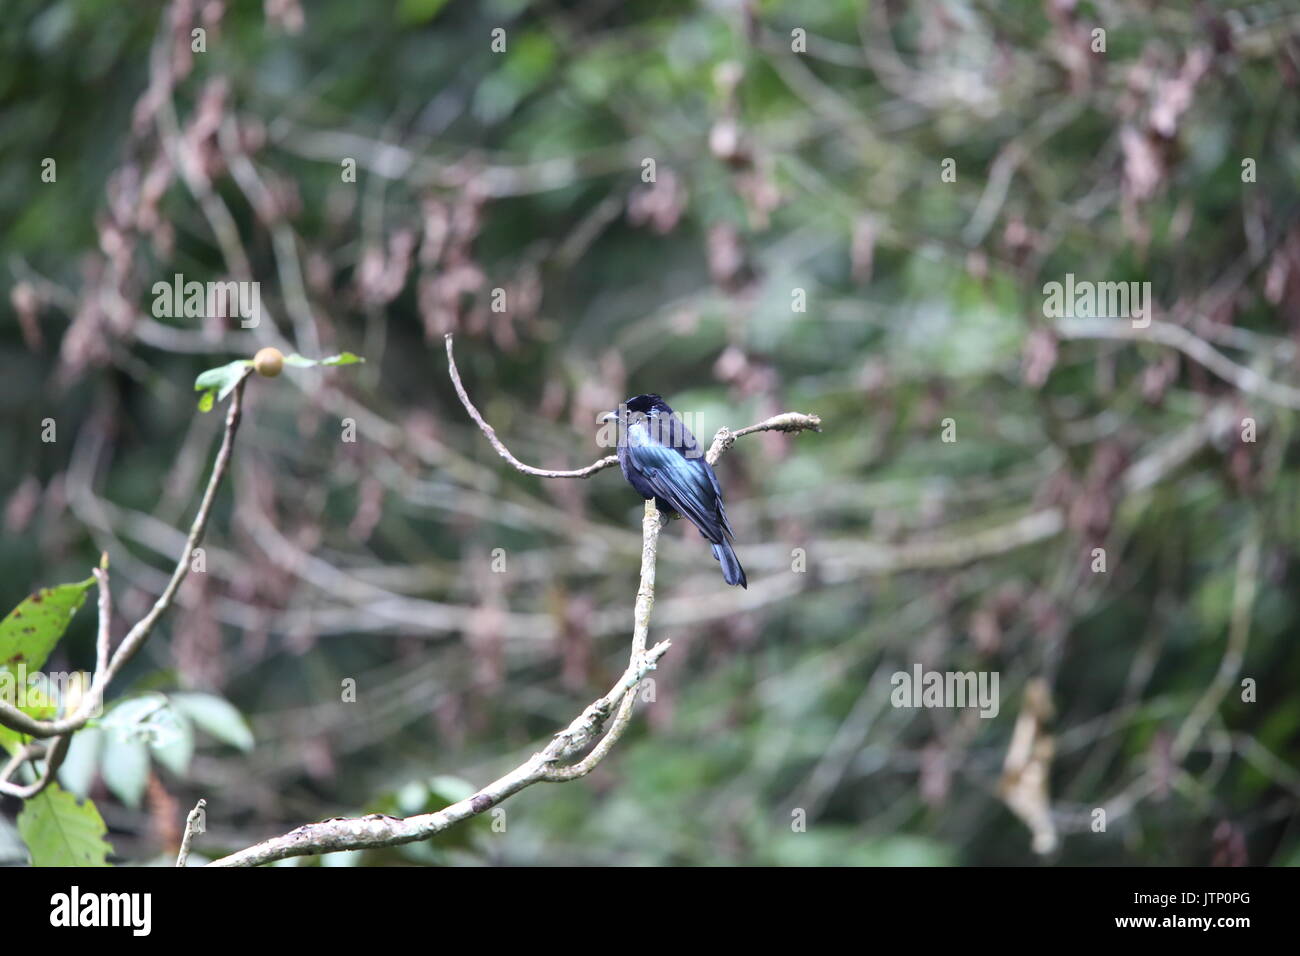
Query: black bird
662, 460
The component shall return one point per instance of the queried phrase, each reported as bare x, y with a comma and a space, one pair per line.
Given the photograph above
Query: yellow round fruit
268, 362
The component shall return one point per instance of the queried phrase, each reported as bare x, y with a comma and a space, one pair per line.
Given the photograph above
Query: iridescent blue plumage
661, 459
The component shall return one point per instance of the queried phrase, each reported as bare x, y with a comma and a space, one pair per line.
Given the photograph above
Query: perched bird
662, 460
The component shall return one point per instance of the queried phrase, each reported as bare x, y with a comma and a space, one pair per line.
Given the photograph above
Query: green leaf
34, 701
59, 831
224, 378
218, 717
77, 772
221, 381
343, 358
30, 632
150, 719
124, 756
131, 717
124, 765
11, 740
173, 741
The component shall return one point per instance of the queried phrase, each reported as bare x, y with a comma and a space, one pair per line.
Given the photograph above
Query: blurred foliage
775, 172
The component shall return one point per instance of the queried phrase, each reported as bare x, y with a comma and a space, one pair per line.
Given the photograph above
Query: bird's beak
608, 417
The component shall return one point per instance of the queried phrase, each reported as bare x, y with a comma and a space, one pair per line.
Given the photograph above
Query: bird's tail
732, 572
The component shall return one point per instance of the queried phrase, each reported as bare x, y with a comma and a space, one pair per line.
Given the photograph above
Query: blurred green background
782, 178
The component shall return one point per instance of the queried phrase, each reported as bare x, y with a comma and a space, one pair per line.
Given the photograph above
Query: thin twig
607, 462
785, 422
54, 755
193, 823
103, 637
378, 830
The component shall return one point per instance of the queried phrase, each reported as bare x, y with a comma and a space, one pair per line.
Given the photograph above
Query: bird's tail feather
732, 572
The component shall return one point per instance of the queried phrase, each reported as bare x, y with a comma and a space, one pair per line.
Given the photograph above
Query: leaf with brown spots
32, 629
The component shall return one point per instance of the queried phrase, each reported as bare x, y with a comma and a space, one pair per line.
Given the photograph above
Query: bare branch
651, 525
607, 462
787, 422
53, 754
378, 830
793, 422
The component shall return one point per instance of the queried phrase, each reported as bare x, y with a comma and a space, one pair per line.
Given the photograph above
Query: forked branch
561, 760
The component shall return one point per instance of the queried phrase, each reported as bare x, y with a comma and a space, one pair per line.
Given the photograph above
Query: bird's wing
688, 485
693, 452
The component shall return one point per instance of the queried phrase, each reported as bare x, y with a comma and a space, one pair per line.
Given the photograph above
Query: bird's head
639, 405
